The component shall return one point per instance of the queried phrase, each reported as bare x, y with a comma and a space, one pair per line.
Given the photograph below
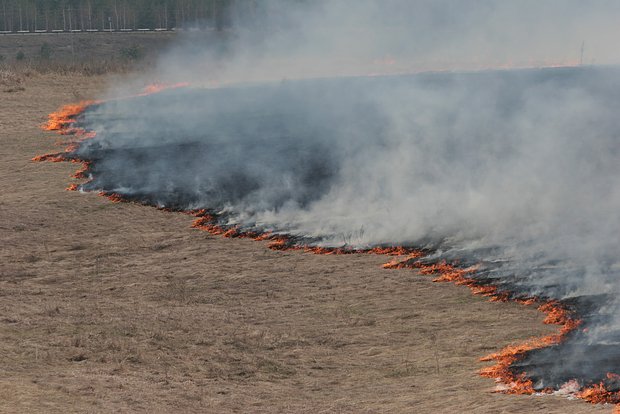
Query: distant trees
67, 15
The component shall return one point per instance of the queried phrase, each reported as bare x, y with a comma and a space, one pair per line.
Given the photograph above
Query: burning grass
510, 382
160, 86
63, 123
62, 120
556, 314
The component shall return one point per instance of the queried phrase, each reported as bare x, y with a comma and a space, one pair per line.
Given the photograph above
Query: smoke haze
292, 39
517, 170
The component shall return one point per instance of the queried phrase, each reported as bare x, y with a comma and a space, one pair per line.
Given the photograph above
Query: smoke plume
516, 170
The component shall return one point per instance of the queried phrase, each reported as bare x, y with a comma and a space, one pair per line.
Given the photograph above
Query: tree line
68, 15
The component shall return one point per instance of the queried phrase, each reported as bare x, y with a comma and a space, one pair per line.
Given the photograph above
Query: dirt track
116, 307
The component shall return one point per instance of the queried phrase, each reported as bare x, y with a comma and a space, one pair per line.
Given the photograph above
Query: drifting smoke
292, 39
515, 170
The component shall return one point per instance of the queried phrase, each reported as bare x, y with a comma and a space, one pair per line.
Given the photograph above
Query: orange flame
556, 314
113, 197
82, 172
57, 157
208, 222
519, 384
62, 122
160, 86
599, 394
65, 117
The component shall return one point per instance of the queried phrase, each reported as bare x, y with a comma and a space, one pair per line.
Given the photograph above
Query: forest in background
114, 15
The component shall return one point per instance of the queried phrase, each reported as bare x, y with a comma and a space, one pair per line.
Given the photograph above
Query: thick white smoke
517, 169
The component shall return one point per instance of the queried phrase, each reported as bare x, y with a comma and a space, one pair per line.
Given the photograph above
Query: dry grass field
121, 308
91, 53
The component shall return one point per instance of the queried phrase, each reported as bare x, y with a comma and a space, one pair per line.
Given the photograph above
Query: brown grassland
89, 53
110, 307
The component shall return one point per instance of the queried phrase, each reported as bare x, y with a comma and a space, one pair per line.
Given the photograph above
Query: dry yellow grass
11, 81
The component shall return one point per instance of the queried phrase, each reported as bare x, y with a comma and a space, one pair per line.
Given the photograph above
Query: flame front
160, 86
520, 384
65, 117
